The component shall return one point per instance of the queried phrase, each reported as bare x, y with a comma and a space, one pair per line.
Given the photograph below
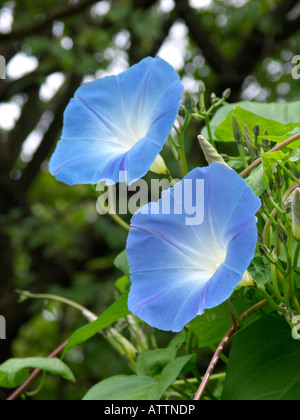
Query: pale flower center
217, 260
138, 131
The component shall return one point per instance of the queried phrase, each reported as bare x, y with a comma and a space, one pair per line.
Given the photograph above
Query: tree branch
35, 373
47, 144
48, 19
213, 363
201, 36
30, 116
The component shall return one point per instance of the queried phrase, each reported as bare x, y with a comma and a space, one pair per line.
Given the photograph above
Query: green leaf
260, 270
264, 363
137, 387
212, 326
115, 312
123, 387
284, 113
123, 284
152, 362
272, 159
276, 131
258, 180
172, 370
121, 262
15, 371
295, 155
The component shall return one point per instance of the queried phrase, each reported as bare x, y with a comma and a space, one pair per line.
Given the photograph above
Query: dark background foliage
51, 237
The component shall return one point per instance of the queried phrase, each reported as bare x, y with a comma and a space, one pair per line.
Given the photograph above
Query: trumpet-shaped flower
179, 269
118, 124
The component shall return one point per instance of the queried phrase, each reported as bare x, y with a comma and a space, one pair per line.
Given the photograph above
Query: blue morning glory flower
183, 262
118, 124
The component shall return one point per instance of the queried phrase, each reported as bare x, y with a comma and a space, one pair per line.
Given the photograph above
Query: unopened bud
296, 214
189, 102
226, 93
266, 142
256, 130
264, 250
159, 166
279, 178
267, 193
121, 344
238, 135
214, 98
282, 233
250, 143
247, 280
210, 152
202, 87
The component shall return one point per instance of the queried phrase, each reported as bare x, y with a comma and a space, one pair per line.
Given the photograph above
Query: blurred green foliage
51, 237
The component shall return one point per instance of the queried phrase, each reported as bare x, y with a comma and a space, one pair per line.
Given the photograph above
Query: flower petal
118, 123
231, 209
179, 270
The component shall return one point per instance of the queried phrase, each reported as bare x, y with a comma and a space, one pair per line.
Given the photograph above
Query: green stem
254, 309
180, 392
39, 388
269, 216
296, 256
289, 271
278, 147
276, 206
274, 213
22, 388
119, 221
242, 154
289, 173
112, 212
275, 282
171, 179
210, 135
85, 312
115, 338
182, 160
189, 342
270, 300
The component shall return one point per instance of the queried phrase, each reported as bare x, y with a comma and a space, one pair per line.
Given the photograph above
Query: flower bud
264, 250
214, 99
279, 178
210, 152
282, 233
121, 344
250, 143
189, 102
267, 193
247, 280
256, 130
296, 214
238, 135
202, 87
159, 166
266, 143
226, 94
